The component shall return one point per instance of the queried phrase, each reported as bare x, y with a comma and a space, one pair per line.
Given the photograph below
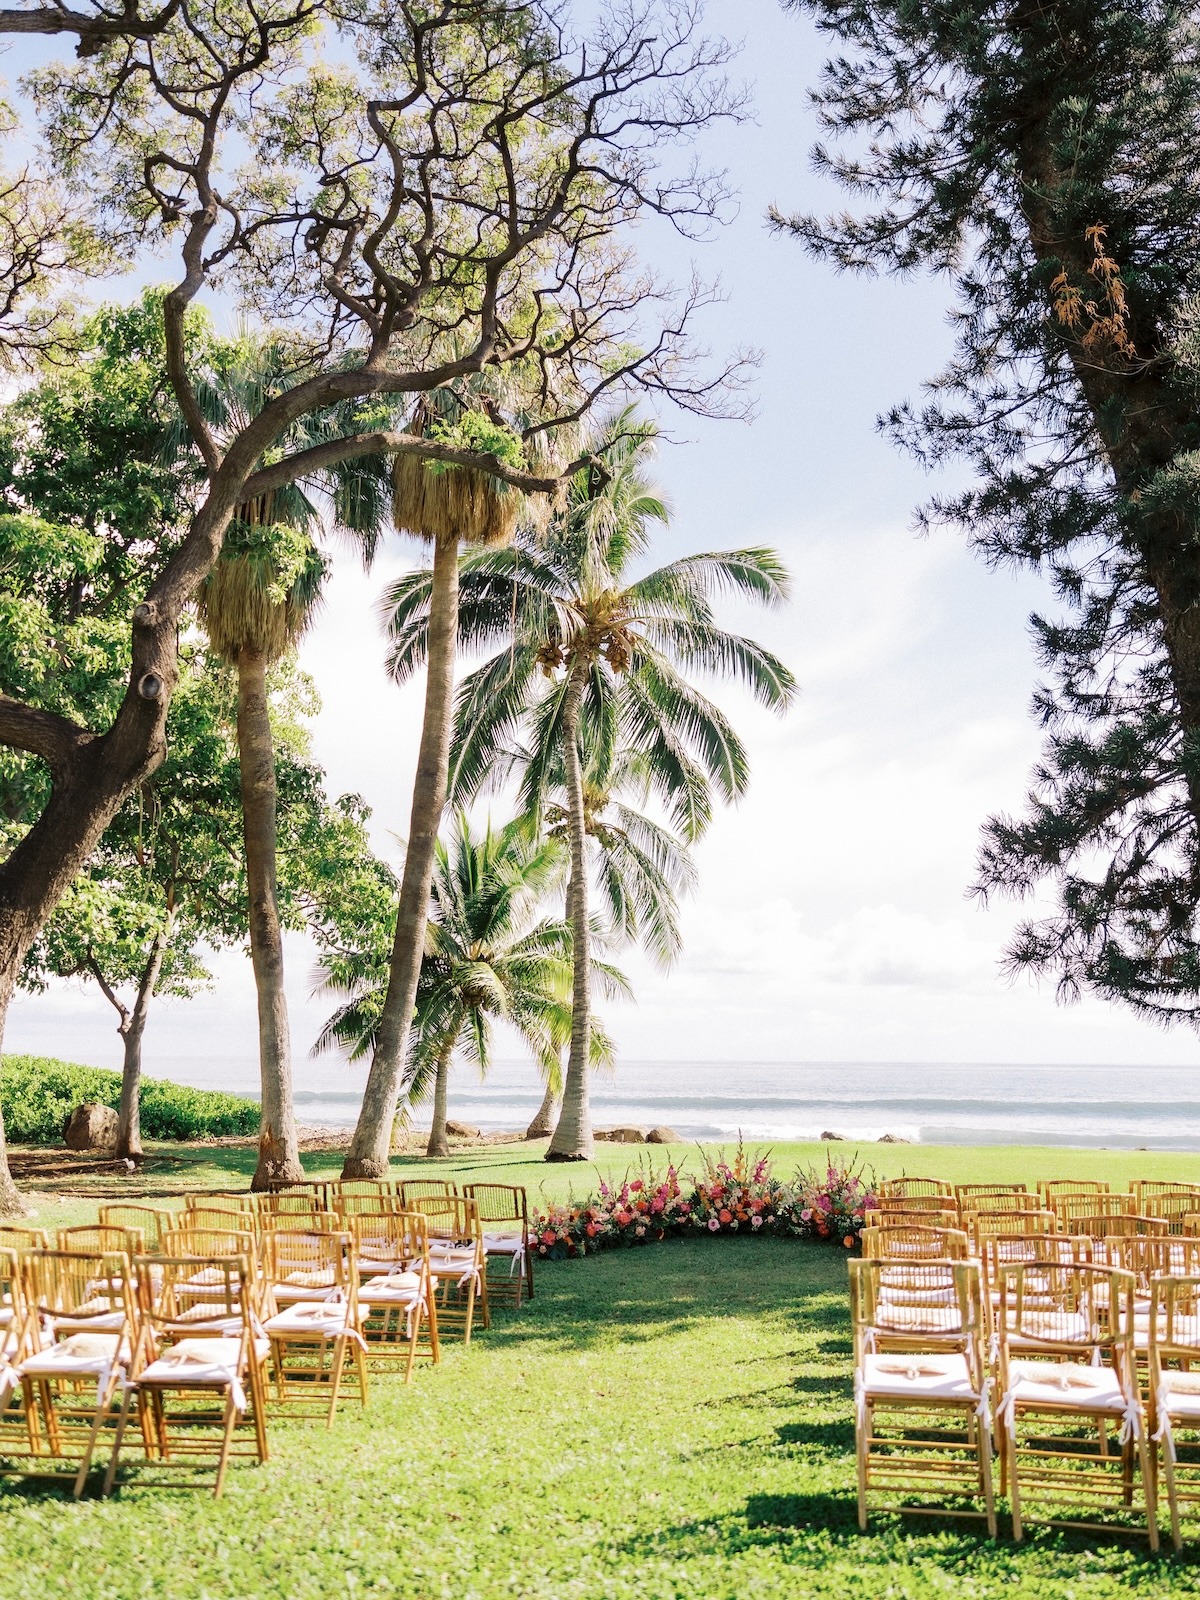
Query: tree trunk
133, 1026
543, 1120
572, 1139
11, 1204
370, 1146
439, 1144
278, 1148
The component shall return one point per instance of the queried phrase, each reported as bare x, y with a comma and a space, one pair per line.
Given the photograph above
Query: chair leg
360, 1361
335, 1377
984, 1437
110, 1477
103, 1407
226, 1444
862, 1426
1014, 1490
1148, 1490
1172, 1498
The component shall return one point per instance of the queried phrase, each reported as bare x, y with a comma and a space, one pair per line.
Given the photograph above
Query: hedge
38, 1094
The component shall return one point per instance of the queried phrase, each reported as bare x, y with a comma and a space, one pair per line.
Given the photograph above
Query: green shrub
38, 1094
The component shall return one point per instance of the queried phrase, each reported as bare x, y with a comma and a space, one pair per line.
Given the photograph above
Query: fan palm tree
447, 507
257, 601
594, 673
487, 958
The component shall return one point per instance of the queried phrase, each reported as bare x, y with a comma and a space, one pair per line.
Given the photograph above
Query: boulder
623, 1135
92, 1127
462, 1130
892, 1138
663, 1136
836, 1138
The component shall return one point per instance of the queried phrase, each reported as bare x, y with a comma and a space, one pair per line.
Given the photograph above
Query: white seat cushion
82, 1355
1066, 1383
1179, 1396
892, 1318
325, 1318
395, 1288
917, 1377
200, 1361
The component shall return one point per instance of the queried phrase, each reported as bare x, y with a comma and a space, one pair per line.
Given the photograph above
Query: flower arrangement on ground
737, 1195
831, 1204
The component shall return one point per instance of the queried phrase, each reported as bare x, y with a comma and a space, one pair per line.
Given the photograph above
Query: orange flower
848, 1241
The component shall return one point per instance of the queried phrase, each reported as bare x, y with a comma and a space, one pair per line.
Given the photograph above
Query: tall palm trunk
131, 1029
371, 1144
543, 1118
572, 1139
278, 1147
439, 1144
11, 1204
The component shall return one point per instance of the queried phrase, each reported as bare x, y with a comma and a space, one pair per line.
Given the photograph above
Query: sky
831, 920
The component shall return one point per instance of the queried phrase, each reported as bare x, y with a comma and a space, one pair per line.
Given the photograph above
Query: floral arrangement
732, 1196
642, 1211
741, 1197
831, 1205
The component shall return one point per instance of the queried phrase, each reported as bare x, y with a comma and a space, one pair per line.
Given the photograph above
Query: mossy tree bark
278, 1145
370, 1146
439, 1143
543, 1120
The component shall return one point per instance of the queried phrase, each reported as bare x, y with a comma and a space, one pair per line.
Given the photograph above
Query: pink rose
756, 1222
713, 1225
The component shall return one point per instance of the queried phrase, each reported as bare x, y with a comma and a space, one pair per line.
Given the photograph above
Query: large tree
426, 192
1043, 158
593, 671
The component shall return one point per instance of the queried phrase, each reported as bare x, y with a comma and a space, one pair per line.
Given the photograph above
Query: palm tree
594, 674
487, 957
255, 604
447, 507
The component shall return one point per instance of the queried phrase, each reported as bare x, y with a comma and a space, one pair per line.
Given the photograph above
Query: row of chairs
196, 1318
1088, 1336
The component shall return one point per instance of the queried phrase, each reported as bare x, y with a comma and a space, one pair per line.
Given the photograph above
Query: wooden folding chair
417, 1188
504, 1213
905, 1243
1173, 1327
235, 1200
983, 1224
79, 1330
966, 1194
1100, 1224
1073, 1207
395, 1292
200, 1380
456, 1261
309, 1222
349, 1206
1067, 1376
102, 1238
899, 1188
1144, 1189
363, 1186
922, 1424
316, 1191
150, 1221
1048, 1188
18, 1239
1171, 1206
316, 1337
18, 1430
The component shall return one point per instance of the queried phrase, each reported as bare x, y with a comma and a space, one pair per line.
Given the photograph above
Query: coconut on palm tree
446, 506
488, 957
595, 670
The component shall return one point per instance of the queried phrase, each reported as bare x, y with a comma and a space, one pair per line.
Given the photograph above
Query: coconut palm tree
447, 506
256, 602
487, 957
594, 673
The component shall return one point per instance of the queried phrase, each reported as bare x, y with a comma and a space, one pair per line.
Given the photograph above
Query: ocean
1118, 1107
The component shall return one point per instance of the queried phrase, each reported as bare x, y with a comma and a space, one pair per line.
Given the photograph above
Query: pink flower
549, 1236
713, 1225
640, 1230
756, 1222
657, 1205
806, 1216
636, 1185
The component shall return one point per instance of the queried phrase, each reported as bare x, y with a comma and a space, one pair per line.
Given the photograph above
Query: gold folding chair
1013, 1203
1173, 1326
983, 1224
316, 1191
361, 1186
150, 1221
874, 1218
18, 1239
1073, 1207
965, 1194
899, 1188
922, 1423
349, 1206
309, 1222
79, 1329
1048, 1188
1119, 1225
1170, 1206
237, 1200
413, 1189
315, 1283
102, 1238
200, 1380
504, 1213
456, 1261
395, 1286
1144, 1189
905, 1243
1067, 1376
18, 1430
197, 1241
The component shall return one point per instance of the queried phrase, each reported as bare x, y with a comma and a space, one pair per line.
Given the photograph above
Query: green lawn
668, 1422
172, 1168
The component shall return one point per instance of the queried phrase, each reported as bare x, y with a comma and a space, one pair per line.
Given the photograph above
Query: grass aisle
673, 1423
